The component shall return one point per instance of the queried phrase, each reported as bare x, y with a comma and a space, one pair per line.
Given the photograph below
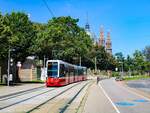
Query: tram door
62, 73
67, 74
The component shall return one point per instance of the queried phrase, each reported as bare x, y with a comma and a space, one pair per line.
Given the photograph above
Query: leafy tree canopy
62, 39
146, 52
17, 34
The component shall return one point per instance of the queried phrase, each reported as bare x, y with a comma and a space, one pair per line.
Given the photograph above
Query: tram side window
76, 72
80, 71
85, 71
62, 70
71, 71
52, 69
66, 71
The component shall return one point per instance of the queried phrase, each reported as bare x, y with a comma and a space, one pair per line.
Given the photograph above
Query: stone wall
27, 74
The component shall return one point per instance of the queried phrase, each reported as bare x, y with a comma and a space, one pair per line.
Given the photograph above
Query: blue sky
129, 20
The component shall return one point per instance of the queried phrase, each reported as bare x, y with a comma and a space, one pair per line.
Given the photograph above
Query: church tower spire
87, 26
101, 39
108, 43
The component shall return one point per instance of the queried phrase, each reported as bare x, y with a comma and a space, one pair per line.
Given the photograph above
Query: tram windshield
52, 69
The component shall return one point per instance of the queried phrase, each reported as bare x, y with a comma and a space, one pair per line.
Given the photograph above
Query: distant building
89, 32
87, 29
107, 44
101, 39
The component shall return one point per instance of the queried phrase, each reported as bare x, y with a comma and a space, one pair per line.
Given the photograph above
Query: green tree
146, 53
62, 39
139, 61
120, 60
104, 60
119, 56
3, 39
18, 34
38, 42
129, 63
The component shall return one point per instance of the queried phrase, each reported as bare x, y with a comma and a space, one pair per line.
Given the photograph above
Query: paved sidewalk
5, 90
97, 102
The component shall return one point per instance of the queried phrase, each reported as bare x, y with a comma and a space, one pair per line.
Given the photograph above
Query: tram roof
61, 61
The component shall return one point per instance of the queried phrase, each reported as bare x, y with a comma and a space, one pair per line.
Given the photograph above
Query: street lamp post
8, 68
44, 64
80, 60
122, 72
95, 64
129, 71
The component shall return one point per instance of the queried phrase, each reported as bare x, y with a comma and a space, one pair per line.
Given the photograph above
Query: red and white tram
60, 73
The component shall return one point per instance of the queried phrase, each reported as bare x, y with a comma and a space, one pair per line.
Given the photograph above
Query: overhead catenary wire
49, 9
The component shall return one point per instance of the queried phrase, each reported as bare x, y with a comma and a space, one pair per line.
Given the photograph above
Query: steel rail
36, 107
1, 108
16, 93
71, 100
13, 95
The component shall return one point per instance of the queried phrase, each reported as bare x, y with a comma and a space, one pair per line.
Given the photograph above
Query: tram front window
52, 69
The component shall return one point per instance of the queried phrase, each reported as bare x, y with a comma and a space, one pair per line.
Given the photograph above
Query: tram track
1, 108
67, 103
13, 95
26, 99
54, 97
71, 100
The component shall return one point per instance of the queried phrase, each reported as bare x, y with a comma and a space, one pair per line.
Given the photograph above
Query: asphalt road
122, 99
143, 85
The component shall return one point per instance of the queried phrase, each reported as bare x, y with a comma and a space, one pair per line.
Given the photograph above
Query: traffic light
11, 62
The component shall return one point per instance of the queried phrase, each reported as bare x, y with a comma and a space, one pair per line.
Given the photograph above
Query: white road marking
109, 98
133, 92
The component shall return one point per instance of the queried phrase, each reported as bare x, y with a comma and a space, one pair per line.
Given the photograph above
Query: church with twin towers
101, 41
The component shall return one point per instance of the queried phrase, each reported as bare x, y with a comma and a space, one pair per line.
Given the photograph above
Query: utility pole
8, 68
44, 65
122, 70
95, 63
80, 60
